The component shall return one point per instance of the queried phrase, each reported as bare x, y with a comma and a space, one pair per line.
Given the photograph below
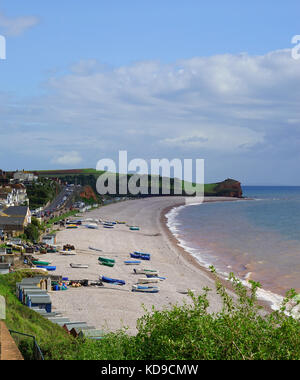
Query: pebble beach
112, 307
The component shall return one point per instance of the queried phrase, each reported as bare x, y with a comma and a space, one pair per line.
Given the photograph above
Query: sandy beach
112, 307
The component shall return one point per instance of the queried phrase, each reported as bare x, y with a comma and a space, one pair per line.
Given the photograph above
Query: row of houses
13, 194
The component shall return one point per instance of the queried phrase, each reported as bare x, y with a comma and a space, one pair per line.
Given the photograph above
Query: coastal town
83, 256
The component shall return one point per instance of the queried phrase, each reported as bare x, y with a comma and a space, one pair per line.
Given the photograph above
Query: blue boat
112, 280
142, 253
106, 226
155, 276
133, 262
49, 268
145, 289
142, 257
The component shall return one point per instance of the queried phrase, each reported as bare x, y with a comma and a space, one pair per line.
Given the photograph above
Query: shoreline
113, 307
266, 304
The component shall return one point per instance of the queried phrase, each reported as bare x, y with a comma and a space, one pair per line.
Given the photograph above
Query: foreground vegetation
240, 331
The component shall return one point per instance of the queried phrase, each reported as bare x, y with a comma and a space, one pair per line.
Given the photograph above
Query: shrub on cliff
240, 331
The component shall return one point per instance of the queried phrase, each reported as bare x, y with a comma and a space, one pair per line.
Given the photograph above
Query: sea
257, 239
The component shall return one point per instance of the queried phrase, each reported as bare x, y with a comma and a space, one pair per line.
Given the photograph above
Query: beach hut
58, 320
91, 334
70, 325
21, 289
28, 292
75, 331
42, 302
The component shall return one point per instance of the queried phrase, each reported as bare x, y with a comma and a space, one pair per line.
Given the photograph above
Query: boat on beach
149, 275
138, 256
106, 263
48, 268
132, 262
134, 228
92, 226
106, 259
95, 249
145, 271
148, 280
112, 280
72, 265
145, 289
142, 253
37, 262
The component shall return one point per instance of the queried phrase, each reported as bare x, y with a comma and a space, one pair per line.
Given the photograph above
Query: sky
191, 79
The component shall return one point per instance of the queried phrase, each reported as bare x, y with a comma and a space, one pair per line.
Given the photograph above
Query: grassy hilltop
89, 176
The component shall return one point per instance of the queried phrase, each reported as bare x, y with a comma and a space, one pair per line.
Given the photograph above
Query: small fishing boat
112, 280
95, 249
145, 289
48, 268
132, 262
133, 228
92, 226
145, 271
72, 226
36, 262
148, 280
106, 263
106, 259
41, 269
78, 265
106, 226
142, 257
149, 275
141, 253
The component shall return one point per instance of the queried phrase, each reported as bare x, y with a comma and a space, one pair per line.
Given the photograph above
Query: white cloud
16, 26
235, 106
68, 159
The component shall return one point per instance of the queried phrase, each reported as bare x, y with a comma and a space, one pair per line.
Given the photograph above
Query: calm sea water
257, 239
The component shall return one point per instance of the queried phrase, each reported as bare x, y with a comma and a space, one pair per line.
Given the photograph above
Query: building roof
16, 211
13, 216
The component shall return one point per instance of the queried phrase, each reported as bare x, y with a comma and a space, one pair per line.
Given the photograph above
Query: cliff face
229, 188
88, 193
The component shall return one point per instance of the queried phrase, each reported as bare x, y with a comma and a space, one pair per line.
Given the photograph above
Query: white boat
145, 271
92, 226
78, 265
148, 280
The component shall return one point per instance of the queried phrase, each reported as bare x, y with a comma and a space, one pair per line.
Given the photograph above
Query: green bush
241, 330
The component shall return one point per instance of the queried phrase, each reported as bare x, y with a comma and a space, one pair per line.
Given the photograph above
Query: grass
239, 331
22, 319
61, 217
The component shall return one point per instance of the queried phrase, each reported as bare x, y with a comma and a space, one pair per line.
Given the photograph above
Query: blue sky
161, 79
